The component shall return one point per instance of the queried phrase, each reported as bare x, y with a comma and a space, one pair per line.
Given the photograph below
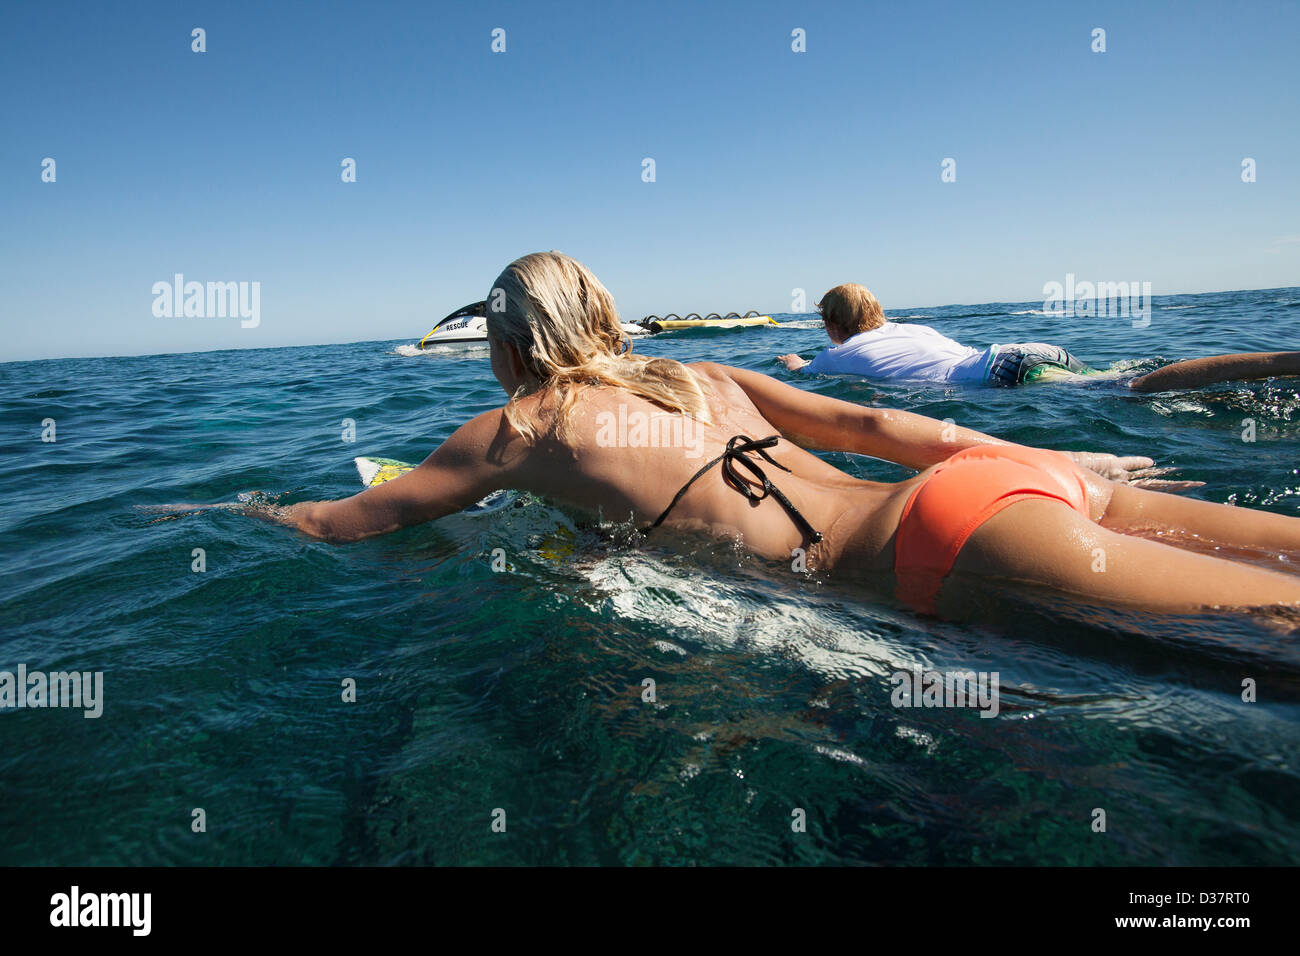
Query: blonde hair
552, 309
851, 308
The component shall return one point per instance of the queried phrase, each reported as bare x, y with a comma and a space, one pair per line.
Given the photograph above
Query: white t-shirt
902, 352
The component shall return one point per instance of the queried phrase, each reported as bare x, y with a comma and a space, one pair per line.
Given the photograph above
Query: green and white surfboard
375, 471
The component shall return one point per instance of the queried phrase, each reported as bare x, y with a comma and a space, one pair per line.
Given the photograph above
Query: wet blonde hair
851, 308
552, 309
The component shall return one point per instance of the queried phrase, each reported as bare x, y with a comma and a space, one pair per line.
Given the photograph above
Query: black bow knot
738, 450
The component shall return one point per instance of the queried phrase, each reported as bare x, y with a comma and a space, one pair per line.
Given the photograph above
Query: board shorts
959, 495
1028, 361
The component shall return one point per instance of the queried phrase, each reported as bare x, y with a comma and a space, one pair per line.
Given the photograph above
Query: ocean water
485, 696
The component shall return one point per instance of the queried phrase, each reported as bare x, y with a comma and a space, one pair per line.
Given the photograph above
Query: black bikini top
737, 451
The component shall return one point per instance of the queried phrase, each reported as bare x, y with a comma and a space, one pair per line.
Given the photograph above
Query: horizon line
312, 345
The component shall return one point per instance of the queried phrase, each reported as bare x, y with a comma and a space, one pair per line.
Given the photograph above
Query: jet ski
466, 324
469, 324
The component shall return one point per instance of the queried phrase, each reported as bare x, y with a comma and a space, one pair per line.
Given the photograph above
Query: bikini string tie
738, 450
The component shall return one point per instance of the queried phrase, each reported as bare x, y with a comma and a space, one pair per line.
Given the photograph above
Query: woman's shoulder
711, 369
714, 376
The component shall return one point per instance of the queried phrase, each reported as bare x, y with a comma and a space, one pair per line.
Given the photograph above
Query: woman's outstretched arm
481, 456
828, 424
1194, 373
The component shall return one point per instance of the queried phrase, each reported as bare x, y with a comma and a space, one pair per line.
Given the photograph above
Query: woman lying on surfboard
866, 343
980, 508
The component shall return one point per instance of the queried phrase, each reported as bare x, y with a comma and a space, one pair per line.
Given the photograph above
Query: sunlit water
522, 691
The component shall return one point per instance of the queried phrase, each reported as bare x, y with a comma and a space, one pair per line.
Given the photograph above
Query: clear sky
775, 170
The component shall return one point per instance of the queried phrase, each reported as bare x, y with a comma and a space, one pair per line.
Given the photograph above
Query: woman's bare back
630, 457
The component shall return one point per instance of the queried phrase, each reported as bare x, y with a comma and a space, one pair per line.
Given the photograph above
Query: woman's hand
259, 504
792, 362
1130, 470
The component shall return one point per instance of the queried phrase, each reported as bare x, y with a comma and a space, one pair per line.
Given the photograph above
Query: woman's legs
1218, 368
1138, 508
1046, 543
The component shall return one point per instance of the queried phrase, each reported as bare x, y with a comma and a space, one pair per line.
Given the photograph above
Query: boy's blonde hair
849, 309
552, 309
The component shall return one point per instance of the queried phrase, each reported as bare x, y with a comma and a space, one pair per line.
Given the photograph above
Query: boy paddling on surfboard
866, 343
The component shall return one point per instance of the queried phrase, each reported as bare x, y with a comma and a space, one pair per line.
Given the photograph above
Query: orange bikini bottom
960, 495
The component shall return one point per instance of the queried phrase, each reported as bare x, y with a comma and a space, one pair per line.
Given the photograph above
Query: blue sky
775, 170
